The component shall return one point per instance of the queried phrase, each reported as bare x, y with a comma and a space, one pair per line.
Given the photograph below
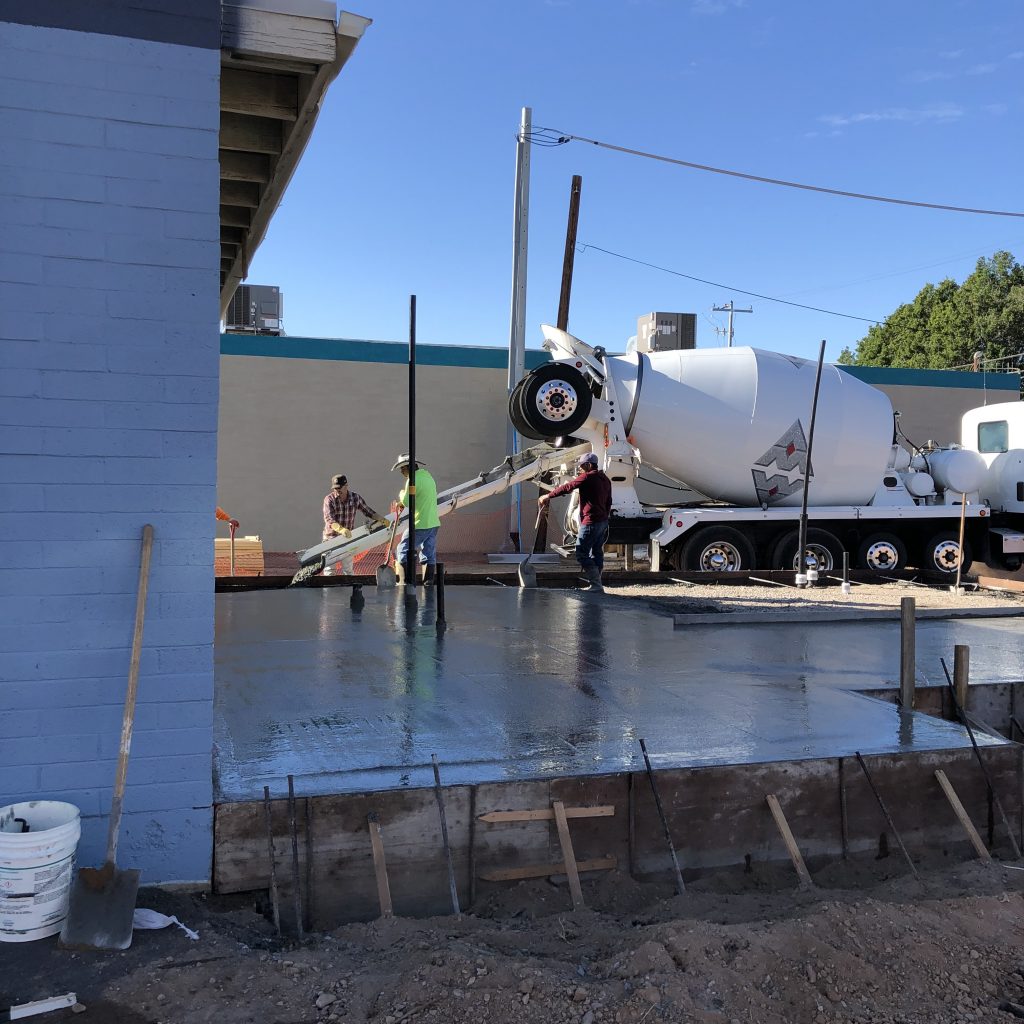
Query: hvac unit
661, 332
255, 309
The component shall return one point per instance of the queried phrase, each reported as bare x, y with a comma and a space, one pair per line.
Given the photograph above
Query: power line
727, 287
549, 137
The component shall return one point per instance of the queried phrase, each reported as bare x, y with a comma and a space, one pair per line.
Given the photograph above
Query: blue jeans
426, 541
590, 545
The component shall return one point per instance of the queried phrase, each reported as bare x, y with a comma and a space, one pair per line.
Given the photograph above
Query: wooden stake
961, 672
965, 819
547, 814
908, 668
380, 866
547, 870
568, 856
570, 252
787, 837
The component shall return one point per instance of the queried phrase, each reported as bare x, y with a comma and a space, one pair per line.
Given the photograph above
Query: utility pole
517, 317
730, 308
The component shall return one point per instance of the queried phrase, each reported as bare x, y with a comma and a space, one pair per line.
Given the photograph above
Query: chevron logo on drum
789, 453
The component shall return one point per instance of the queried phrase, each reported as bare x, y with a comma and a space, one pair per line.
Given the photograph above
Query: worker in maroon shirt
595, 507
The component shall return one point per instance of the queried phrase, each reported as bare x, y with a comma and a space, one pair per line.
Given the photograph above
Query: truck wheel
822, 551
716, 549
516, 415
882, 552
942, 554
555, 400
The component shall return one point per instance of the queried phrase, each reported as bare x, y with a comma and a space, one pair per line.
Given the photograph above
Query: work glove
336, 527
381, 521
344, 531
233, 523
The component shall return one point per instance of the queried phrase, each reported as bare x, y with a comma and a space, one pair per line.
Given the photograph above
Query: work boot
400, 573
594, 575
428, 575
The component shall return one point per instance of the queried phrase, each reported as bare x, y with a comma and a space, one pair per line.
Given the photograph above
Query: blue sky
407, 183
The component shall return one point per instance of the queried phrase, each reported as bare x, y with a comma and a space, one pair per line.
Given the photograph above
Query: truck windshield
993, 437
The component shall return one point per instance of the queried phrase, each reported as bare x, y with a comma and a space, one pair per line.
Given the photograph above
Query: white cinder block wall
109, 258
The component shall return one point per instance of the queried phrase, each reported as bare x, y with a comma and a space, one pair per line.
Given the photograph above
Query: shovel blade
101, 909
386, 577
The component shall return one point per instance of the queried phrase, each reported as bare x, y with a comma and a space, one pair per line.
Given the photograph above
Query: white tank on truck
732, 424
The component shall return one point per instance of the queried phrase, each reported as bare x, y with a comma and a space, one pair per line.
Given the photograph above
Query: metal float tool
102, 900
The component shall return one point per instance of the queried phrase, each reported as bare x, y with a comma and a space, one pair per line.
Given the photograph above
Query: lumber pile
248, 556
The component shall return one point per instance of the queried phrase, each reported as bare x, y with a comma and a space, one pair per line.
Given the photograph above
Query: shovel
385, 574
102, 900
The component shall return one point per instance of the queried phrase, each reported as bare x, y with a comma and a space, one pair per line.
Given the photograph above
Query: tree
947, 323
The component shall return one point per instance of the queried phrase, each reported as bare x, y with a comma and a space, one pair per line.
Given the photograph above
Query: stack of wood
248, 556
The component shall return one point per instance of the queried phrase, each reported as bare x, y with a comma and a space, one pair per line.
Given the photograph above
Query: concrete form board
717, 817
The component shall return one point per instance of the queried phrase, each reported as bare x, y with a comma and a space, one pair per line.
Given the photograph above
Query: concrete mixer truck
731, 425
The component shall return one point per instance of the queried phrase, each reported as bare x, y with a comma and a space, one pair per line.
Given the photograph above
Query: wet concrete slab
541, 683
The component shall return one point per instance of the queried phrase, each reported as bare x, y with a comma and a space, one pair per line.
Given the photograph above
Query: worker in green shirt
427, 521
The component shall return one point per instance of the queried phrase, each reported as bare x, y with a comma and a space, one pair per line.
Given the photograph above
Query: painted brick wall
109, 256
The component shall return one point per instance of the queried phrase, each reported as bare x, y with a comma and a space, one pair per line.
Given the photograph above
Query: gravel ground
683, 598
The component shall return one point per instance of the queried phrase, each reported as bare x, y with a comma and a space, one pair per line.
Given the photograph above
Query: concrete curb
797, 617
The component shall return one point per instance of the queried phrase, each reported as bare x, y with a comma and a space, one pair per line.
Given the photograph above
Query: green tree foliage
948, 322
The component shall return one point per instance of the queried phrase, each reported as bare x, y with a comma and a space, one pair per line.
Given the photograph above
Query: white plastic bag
150, 920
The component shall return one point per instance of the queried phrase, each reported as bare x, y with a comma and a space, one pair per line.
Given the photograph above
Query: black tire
881, 553
554, 401
716, 549
820, 543
942, 552
515, 414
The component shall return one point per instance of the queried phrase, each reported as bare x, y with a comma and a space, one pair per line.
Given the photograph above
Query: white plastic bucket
36, 868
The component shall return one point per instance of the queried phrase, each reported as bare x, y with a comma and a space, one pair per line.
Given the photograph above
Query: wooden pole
960, 555
787, 837
908, 652
568, 855
961, 672
963, 816
570, 252
380, 866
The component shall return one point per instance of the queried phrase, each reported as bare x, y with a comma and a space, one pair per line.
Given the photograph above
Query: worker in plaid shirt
340, 508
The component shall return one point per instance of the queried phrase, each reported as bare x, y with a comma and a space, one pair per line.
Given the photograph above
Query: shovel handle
128, 722
391, 537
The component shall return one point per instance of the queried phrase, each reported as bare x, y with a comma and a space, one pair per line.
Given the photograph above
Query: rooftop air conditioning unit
255, 309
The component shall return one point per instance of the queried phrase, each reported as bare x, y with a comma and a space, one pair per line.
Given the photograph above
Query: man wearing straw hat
427, 521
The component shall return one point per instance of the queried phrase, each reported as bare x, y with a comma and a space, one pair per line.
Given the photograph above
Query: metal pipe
275, 903
296, 884
444, 836
801, 574
680, 887
442, 624
885, 812
977, 753
411, 559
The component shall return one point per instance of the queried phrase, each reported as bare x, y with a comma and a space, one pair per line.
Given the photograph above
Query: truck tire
825, 549
554, 401
942, 554
882, 552
516, 415
716, 549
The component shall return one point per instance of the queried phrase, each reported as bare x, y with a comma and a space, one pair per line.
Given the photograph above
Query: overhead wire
717, 284
551, 137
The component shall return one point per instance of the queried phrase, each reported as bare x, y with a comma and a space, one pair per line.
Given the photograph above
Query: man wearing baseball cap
595, 507
340, 508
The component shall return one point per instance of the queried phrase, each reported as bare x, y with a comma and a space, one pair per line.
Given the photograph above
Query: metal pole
570, 252
441, 624
296, 885
680, 886
885, 813
410, 564
731, 308
517, 314
439, 796
801, 574
993, 795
